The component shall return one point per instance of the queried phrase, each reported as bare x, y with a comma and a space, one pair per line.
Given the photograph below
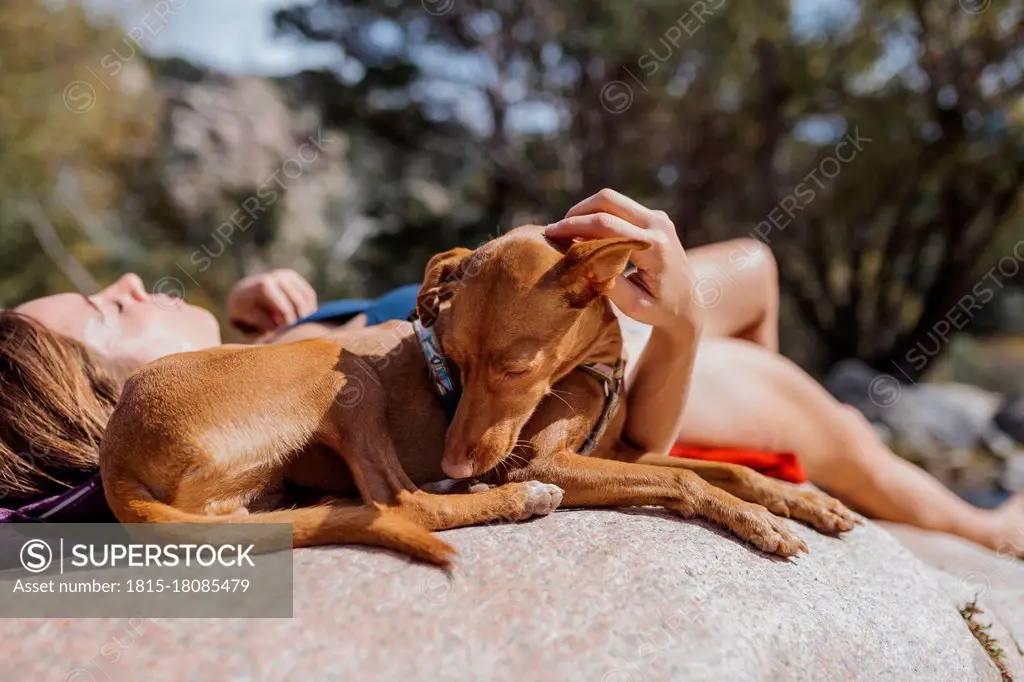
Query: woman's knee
740, 277
749, 263
757, 257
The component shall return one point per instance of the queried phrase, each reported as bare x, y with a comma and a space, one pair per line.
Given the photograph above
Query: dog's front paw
541, 499
766, 531
822, 512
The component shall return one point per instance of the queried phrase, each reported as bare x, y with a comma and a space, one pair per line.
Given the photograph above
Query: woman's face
126, 323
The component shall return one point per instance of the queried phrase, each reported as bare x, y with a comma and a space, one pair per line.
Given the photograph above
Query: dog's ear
439, 281
589, 268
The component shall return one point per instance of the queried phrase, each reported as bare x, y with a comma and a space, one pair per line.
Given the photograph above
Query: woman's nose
129, 286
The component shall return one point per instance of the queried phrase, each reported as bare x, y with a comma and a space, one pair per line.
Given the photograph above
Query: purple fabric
82, 504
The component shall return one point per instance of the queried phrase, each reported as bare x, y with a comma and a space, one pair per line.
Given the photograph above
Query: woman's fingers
311, 297
604, 226
299, 291
282, 309
610, 201
630, 298
595, 226
254, 321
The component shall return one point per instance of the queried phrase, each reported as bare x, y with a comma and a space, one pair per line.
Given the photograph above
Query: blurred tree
727, 115
70, 129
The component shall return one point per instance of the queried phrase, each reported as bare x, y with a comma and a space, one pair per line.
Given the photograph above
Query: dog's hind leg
591, 482
818, 510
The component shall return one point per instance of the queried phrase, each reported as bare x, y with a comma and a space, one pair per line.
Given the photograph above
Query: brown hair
55, 399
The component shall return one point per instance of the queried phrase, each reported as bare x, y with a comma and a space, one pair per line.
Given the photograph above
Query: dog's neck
441, 324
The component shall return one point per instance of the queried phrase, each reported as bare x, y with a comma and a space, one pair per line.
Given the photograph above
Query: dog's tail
325, 524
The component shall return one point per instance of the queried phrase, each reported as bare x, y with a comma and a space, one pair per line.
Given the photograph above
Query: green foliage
969, 612
465, 118
703, 110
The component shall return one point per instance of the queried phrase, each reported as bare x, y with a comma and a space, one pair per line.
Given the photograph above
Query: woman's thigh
743, 395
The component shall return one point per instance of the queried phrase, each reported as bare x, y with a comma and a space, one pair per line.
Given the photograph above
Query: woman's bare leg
746, 396
784, 409
738, 284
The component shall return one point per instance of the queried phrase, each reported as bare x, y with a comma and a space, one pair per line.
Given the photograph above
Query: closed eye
103, 314
517, 364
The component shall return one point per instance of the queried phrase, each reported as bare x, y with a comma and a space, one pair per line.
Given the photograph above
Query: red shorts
782, 465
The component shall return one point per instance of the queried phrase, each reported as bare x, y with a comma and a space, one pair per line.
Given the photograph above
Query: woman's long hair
55, 399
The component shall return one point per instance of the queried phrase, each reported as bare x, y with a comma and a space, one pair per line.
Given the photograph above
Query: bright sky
237, 36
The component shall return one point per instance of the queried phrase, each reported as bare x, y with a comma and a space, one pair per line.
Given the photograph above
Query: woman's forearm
660, 388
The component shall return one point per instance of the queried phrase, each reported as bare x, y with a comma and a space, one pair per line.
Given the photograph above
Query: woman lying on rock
708, 342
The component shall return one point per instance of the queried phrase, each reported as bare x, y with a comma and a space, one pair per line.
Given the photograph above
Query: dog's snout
464, 459
482, 433
459, 450
473, 460
458, 467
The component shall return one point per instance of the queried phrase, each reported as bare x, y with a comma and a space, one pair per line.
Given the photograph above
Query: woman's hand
661, 290
660, 293
267, 302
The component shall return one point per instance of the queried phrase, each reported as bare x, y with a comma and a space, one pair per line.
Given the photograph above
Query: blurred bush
876, 146
61, 173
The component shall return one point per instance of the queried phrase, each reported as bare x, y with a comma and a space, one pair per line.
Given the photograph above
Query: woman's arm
660, 389
659, 293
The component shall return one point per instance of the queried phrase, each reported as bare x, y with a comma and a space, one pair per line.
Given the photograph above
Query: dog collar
445, 381
449, 390
611, 377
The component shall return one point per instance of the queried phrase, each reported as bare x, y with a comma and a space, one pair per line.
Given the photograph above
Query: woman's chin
207, 328
196, 329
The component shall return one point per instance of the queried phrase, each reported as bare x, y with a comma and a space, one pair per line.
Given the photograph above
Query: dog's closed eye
517, 367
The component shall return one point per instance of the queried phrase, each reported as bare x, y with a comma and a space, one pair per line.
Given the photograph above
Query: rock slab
607, 596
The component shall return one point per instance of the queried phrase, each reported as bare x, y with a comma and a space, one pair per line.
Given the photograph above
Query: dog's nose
459, 461
462, 468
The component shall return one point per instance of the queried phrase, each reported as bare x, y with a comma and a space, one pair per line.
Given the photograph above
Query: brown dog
230, 434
